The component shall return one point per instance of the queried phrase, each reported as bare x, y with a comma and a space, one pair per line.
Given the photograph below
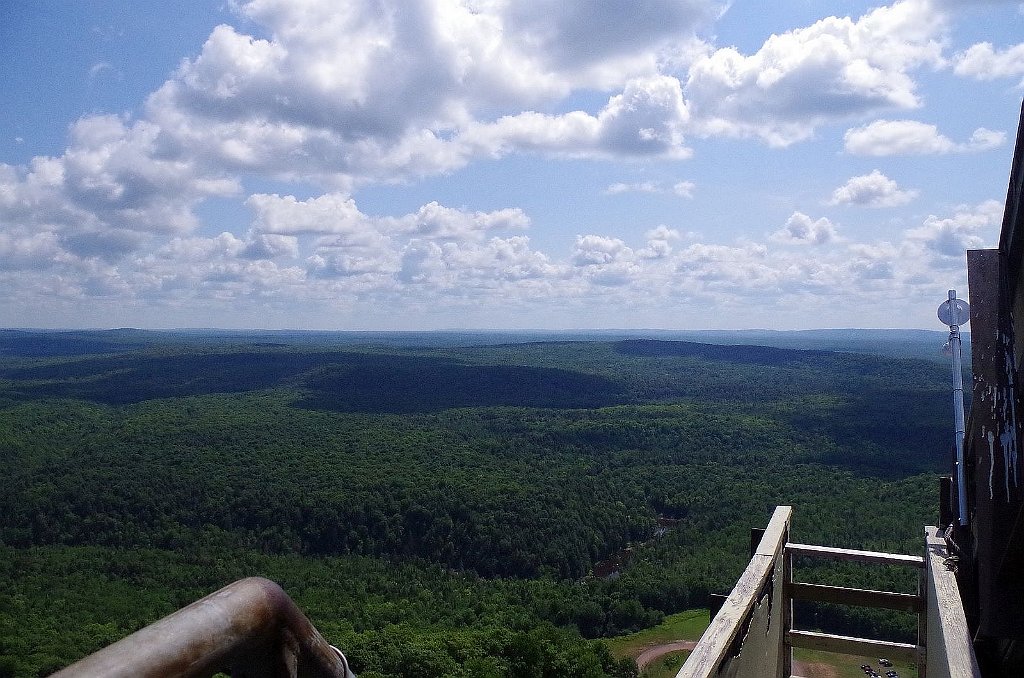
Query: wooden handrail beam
826, 642
948, 636
820, 593
854, 555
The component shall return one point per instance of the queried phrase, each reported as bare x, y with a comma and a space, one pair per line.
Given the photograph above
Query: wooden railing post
950, 647
787, 610
922, 619
745, 639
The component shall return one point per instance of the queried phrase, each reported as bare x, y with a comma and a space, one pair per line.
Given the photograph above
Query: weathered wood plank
906, 602
714, 646
922, 623
950, 650
774, 539
787, 614
855, 555
826, 642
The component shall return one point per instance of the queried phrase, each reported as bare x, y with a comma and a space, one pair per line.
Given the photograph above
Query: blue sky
399, 164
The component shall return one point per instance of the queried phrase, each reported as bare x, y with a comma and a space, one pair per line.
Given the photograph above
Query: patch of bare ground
802, 669
814, 670
652, 653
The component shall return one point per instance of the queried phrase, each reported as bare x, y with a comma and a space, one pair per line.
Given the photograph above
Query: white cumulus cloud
437, 222
320, 99
638, 187
368, 90
646, 120
910, 137
834, 69
970, 227
984, 62
682, 189
801, 229
871, 190
328, 213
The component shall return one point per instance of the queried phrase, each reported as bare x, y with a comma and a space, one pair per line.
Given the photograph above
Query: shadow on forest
875, 423
335, 381
398, 384
733, 353
52, 344
123, 380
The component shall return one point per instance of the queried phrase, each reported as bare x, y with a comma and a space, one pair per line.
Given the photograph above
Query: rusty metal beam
248, 628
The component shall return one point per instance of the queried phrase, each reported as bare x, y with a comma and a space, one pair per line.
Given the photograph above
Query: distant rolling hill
31, 343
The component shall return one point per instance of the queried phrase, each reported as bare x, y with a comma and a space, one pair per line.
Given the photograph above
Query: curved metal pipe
248, 628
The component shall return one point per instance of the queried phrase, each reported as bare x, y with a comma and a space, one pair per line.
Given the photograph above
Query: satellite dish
954, 312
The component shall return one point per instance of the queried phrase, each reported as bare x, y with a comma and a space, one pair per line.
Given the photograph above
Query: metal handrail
248, 628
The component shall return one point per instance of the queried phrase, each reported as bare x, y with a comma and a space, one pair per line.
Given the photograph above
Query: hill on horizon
924, 344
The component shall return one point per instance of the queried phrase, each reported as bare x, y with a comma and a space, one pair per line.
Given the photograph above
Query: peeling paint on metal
991, 462
1008, 435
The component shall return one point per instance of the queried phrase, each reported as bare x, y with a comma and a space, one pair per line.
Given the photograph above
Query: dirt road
652, 653
804, 669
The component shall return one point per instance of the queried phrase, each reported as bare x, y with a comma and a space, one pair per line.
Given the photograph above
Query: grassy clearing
848, 665
688, 625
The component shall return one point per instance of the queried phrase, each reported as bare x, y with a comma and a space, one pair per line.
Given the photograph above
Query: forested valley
440, 509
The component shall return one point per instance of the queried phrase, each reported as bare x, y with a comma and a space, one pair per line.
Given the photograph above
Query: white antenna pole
955, 312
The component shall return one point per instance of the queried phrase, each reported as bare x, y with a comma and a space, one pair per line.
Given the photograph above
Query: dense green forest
440, 509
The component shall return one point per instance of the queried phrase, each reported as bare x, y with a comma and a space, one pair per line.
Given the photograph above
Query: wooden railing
252, 628
745, 638
950, 651
916, 603
753, 634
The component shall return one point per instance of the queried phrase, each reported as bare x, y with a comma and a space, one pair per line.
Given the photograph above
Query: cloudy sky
421, 164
